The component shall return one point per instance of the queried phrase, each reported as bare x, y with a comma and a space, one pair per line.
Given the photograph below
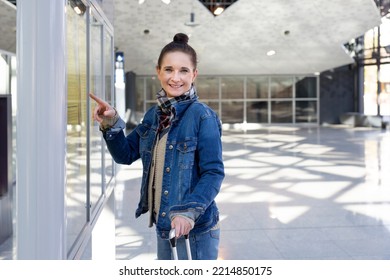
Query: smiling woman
179, 143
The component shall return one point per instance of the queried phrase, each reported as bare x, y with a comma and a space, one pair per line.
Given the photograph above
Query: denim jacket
193, 167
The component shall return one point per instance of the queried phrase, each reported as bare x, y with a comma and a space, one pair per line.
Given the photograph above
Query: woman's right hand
103, 109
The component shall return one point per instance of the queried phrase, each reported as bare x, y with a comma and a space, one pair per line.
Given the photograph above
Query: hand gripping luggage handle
172, 240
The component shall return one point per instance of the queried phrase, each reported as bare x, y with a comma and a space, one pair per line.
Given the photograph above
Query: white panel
41, 124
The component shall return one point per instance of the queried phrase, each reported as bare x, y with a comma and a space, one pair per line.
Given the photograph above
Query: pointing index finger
98, 100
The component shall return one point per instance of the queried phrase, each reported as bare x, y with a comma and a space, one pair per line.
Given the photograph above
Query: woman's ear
158, 71
195, 75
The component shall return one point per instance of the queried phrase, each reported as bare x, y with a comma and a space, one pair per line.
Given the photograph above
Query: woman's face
176, 73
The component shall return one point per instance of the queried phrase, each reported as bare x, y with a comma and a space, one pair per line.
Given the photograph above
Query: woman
179, 142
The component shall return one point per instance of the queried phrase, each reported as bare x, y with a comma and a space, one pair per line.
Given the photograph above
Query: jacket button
166, 192
170, 147
163, 214
167, 169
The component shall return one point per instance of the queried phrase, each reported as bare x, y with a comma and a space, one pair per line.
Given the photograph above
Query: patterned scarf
167, 109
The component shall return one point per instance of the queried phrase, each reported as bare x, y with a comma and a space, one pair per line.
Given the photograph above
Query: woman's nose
175, 76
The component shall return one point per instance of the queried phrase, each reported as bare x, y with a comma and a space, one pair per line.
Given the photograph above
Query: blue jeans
204, 246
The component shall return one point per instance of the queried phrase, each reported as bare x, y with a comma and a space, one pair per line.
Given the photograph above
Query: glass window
232, 87
96, 86
305, 87
153, 86
281, 112
384, 96
108, 85
257, 112
76, 156
228, 95
281, 87
257, 87
139, 89
370, 90
306, 111
14, 110
150, 104
214, 105
207, 87
232, 112
384, 103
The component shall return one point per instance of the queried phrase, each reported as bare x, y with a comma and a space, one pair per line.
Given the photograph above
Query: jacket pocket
186, 153
146, 138
143, 130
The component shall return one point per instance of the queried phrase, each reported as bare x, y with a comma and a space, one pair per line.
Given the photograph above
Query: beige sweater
155, 177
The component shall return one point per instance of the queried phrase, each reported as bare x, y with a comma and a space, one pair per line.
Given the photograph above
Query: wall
337, 94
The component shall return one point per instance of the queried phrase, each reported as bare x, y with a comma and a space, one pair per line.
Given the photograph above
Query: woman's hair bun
179, 44
180, 38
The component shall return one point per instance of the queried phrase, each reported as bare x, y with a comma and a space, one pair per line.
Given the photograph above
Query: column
41, 129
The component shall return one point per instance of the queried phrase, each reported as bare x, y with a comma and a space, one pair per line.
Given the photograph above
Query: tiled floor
289, 193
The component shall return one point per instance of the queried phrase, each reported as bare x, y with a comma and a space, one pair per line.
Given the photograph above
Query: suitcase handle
172, 241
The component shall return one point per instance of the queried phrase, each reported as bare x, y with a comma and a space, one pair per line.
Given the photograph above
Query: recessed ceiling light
271, 52
218, 11
77, 10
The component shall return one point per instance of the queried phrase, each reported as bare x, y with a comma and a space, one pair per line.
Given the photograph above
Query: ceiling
307, 35
7, 27
236, 42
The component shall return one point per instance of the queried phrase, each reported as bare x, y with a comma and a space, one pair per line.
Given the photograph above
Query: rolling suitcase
172, 240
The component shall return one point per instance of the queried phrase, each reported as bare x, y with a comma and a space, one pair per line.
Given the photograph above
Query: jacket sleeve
124, 150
